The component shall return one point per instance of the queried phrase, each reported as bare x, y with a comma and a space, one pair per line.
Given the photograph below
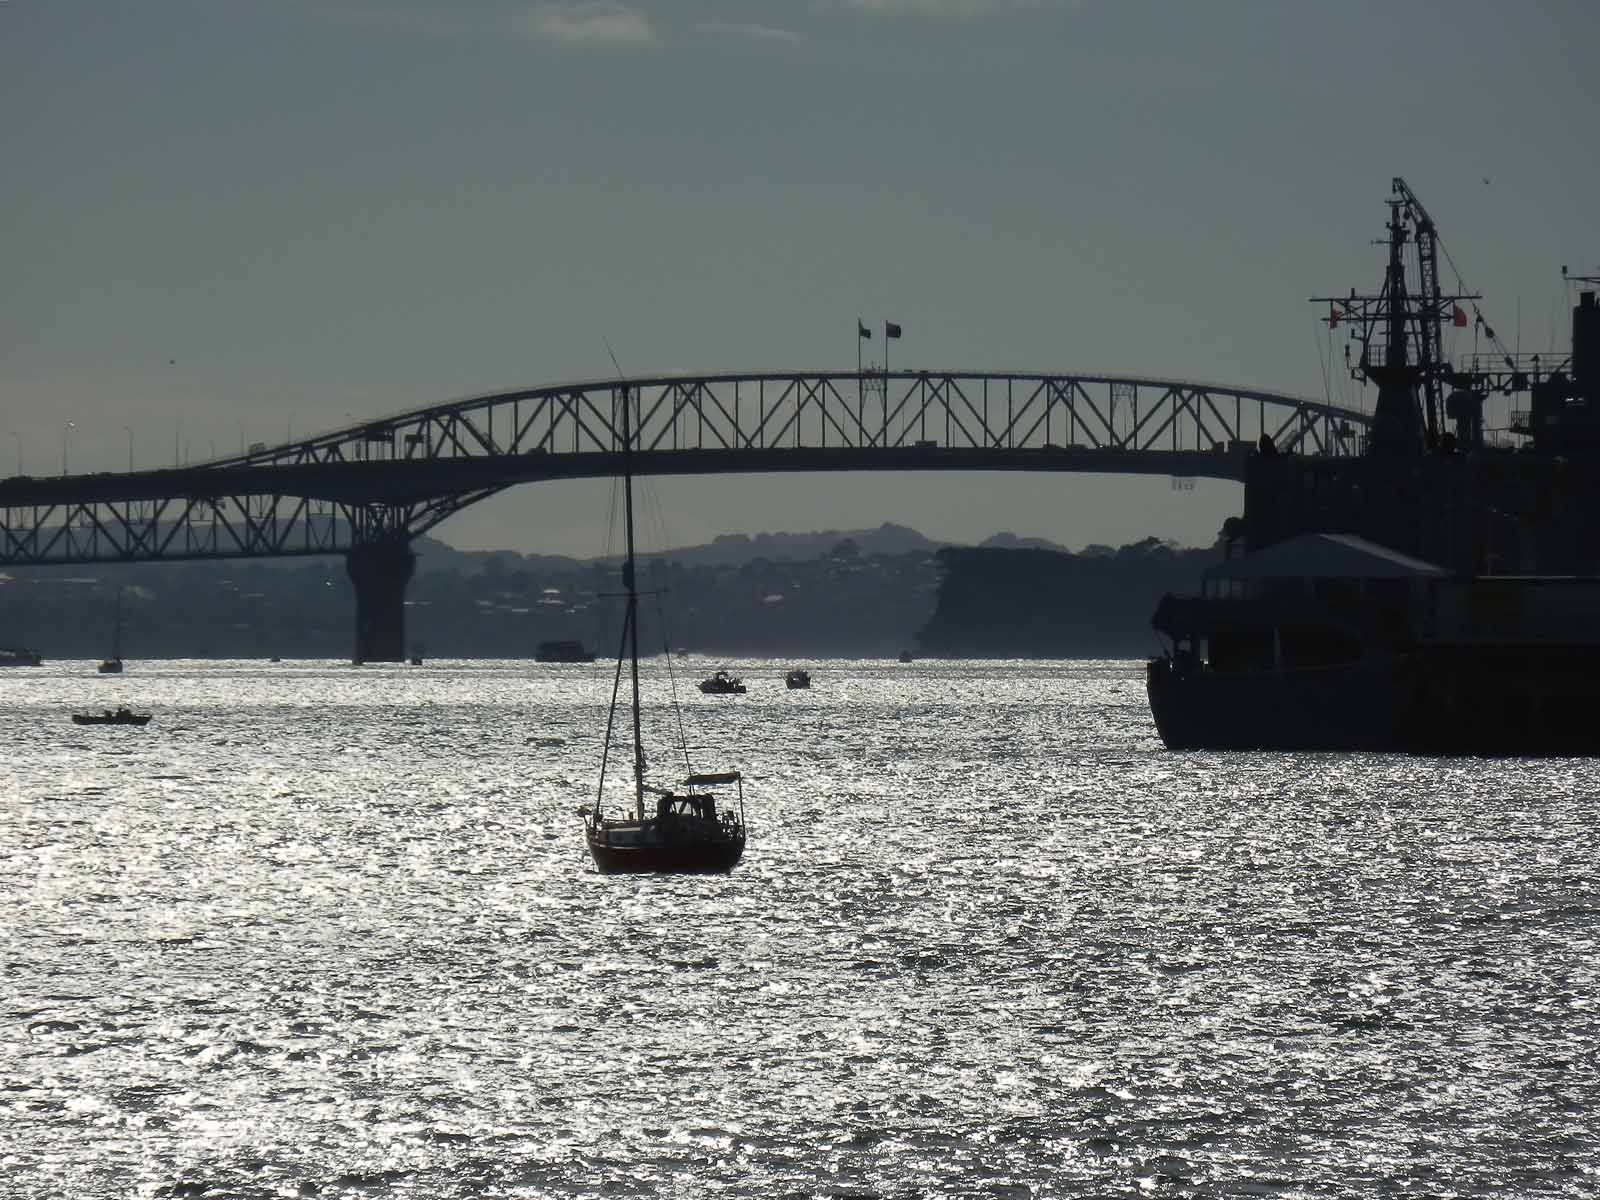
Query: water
324, 931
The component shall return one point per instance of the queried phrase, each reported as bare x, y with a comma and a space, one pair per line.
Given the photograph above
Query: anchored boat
682, 828
118, 716
723, 684
113, 665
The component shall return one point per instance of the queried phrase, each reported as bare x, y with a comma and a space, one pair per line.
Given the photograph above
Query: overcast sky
225, 219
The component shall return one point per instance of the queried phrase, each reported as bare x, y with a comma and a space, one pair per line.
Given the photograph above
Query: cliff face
1043, 604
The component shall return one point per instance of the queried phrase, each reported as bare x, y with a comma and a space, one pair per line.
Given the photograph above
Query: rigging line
1322, 360
611, 715
1461, 285
672, 682
655, 514
611, 518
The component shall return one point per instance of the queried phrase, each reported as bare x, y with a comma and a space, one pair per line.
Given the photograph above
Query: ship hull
1472, 701
1356, 707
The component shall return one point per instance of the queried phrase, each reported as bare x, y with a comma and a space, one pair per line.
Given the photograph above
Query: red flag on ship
1333, 317
1457, 317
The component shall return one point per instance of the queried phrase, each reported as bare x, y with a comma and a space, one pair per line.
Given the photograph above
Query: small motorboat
113, 665
723, 684
118, 716
905, 656
797, 678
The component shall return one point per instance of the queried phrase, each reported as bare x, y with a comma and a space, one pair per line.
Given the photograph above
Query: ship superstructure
1491, 644
1430, 484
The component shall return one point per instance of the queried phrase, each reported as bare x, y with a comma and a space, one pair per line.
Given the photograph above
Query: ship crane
1398, 329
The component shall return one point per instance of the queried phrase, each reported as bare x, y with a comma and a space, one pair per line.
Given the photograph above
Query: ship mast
1408, 364
631, 621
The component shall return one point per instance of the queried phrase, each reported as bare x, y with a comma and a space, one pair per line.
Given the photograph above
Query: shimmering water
321, 931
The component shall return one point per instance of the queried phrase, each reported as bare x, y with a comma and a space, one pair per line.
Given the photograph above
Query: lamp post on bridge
18, 436
129, 428
65, 430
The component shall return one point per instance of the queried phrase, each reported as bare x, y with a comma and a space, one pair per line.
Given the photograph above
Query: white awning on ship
1326, 556
712, 779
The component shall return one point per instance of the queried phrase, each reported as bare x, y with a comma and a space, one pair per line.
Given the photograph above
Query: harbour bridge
367, 490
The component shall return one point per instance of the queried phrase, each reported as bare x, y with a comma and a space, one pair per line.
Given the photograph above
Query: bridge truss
383, 482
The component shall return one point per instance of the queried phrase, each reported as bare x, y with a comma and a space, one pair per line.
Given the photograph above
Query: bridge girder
385, 481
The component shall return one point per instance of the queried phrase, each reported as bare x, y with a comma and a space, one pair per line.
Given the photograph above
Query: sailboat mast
633, 598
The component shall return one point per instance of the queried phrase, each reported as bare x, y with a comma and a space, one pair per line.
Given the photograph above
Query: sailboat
113, 665
679, 829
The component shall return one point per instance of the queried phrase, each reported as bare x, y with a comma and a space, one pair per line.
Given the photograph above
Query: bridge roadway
365, 491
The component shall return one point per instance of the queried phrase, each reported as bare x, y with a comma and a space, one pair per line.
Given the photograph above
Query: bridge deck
384, 482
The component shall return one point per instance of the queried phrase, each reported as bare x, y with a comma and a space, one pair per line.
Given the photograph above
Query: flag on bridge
1457, 317
862, 330
891, 330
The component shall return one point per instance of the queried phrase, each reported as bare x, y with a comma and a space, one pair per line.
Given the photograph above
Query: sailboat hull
622, 854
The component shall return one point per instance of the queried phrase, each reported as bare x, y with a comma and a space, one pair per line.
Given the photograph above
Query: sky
230, 221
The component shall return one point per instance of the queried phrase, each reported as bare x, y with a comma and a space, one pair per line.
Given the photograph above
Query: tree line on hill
848, 596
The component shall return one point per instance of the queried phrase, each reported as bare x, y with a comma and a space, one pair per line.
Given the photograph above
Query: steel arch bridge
365, 491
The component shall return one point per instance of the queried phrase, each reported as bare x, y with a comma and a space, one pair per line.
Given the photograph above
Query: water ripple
326, 931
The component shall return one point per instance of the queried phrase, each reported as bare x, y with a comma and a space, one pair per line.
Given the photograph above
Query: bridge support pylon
380, 574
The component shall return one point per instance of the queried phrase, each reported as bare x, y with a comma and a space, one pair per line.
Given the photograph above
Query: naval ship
1437, 593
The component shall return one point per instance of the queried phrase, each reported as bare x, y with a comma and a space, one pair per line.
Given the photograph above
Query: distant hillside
1031, 603
729, 550
832, 592
737, 549
434, 555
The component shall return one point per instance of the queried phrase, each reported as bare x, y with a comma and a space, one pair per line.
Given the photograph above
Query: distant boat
905, 656
723, 684
113, 665
119, 716
17, 656
562, 652
797, 678
416, 656
683, 832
